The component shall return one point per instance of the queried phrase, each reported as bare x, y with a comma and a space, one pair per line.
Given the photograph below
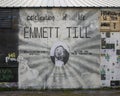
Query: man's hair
65, 56
61, 56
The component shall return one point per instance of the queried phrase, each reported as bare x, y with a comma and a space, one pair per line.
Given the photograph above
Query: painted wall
59, 48
110, 47
8, 47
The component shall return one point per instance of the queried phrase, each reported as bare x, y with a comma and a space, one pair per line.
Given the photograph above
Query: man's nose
60, 52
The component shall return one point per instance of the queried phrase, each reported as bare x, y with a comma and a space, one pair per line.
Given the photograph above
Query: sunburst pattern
81, 71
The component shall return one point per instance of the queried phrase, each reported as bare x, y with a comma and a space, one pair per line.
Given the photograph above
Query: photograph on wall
59, 48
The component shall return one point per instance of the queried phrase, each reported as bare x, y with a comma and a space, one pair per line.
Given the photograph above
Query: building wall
8, 47
110, 48
60, 47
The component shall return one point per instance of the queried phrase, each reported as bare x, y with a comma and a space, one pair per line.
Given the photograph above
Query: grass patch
57, 90
8, 89
53, 94
60, 92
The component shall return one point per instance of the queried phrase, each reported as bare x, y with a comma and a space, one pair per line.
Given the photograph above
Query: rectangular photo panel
110, 20
110, 48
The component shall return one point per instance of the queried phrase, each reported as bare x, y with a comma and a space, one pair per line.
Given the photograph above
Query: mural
8, 48
59, 48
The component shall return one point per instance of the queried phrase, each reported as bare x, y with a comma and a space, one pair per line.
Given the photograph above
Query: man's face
59, 53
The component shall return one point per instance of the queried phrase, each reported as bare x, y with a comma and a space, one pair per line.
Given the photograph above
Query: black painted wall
9, 45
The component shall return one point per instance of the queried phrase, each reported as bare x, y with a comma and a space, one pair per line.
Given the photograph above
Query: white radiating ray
88, 43
55, 78
52, 79
84, 63
32, 48
76, 77
67, 78
62, 77
37, 63
89, 58
69, 82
